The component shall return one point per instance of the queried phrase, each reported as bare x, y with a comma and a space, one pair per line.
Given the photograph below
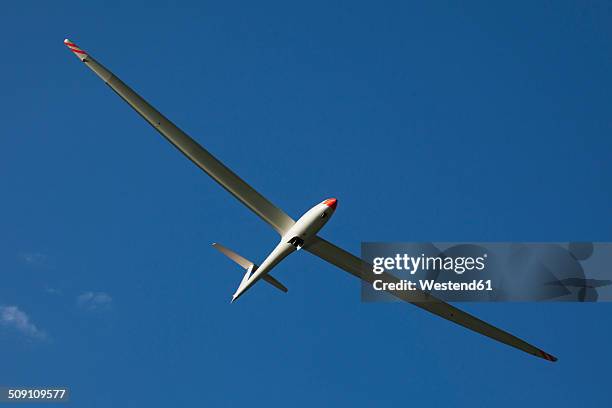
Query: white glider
294, 234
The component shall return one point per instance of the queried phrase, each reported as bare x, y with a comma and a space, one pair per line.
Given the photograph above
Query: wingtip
82, 55
547, 357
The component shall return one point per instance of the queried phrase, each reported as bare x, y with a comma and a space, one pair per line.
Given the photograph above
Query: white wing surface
356, 266
257, 203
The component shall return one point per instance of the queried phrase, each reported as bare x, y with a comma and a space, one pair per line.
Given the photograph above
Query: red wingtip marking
74, 48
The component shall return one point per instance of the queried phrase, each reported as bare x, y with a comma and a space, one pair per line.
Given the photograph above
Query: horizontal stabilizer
249, 266
245, 263
272, 281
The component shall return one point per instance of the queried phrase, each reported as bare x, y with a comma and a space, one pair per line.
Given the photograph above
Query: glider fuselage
294, 239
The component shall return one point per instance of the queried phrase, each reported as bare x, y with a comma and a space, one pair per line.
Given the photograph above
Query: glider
294, 234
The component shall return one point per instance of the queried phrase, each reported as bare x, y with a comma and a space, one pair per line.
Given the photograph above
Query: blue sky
427, 120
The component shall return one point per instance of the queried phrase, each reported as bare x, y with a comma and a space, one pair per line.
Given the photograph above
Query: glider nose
331, 202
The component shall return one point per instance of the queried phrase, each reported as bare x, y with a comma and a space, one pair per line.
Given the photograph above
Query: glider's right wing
356, 266
257, 203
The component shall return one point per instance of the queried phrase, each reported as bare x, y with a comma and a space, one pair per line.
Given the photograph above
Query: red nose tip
331, 202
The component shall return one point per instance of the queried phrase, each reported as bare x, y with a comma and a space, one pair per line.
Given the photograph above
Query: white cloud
13, 317
94, 300
52, 291
34, 258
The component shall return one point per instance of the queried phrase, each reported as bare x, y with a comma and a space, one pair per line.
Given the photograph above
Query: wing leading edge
359, 268
246, 194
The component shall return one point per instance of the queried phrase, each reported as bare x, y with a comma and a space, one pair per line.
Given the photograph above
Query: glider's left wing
246, 194
356, 266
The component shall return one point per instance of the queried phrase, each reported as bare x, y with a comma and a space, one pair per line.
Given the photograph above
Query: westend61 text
431, 285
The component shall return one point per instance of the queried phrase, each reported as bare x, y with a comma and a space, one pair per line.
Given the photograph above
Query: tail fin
249, 266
